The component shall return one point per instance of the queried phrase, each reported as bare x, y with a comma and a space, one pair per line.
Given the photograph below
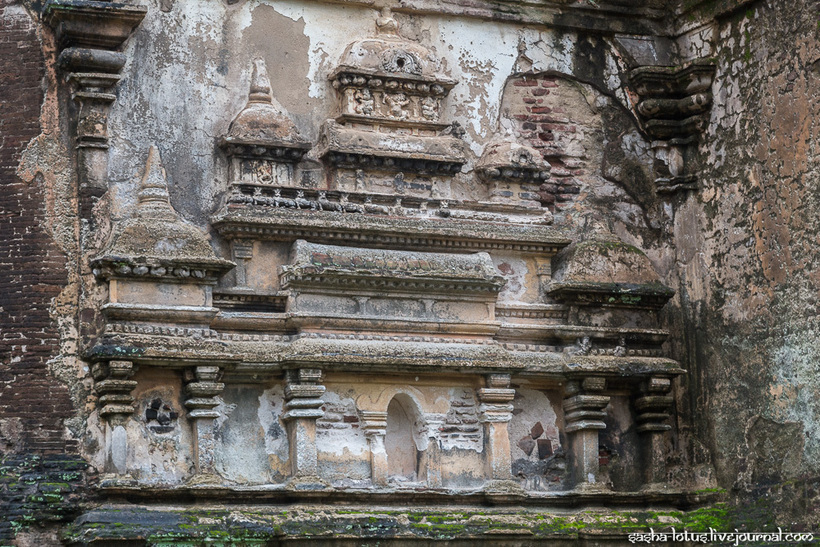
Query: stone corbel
302, 408
203, 388
674, 104
653, 405
584, 415
113, 385
495, 413
89, 33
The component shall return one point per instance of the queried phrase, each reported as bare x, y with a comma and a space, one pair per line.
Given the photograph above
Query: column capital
113, 385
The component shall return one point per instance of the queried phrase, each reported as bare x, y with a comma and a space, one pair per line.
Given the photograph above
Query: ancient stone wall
42, 477
746, 249
276, 253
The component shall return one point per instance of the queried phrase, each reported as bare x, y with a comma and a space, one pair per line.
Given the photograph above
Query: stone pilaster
584, 418
374, 424
242, 250
202, 389
653, 406
432, 455
495, 413
302, 409
88, 34
113, 385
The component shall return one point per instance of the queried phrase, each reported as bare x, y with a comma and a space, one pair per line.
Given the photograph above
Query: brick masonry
39, 468
543, 124
33, 404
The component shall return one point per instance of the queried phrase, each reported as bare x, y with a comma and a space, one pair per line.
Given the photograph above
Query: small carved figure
620, 349
396, 102
429, 108
583, 346
327, 205
372, 208
364, 101
302, 202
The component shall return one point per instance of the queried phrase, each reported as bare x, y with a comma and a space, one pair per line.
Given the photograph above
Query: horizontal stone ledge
267, 359
424, 234
404, 498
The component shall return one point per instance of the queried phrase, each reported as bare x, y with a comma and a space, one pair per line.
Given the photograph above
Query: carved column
374, 424
302, 409
584, 418
242, 250
114, 387
495, 413
432, 456
653, 405
202, 389
88, 34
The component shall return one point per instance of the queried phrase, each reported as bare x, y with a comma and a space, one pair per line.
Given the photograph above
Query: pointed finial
385, 23
260, 83
153, 194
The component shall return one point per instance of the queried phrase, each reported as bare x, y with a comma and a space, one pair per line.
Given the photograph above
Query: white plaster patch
271, 404
483, 58
330, 30
515, 272
532, 407
333, 435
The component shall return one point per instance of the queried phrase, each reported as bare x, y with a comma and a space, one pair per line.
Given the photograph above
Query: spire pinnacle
260, 83
154, 200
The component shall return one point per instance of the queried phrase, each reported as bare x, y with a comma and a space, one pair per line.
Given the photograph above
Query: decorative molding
248, 195
377, 231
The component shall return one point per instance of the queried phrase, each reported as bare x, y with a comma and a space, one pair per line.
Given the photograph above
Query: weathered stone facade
396, 272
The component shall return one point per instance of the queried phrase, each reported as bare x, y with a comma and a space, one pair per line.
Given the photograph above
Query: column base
205, 479
590, 487
500, 486
308, 482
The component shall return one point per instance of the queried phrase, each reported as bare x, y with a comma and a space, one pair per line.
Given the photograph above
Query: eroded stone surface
381, 281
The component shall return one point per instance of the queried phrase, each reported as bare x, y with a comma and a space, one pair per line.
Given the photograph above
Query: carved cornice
378, 231
330, 267
620, 295
255, 195
353, 148
91, 23
674, 105
173, 270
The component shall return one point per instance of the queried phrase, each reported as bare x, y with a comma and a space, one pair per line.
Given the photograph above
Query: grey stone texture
472, 272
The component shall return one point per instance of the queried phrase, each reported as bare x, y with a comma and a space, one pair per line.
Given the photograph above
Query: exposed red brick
32, 267
524, 82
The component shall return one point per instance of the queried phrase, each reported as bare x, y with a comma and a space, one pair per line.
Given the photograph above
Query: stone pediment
156, 242
262, 129
603, 270
391, 99
433, 273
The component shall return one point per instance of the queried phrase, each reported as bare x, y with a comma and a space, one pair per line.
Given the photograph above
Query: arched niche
404, 439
